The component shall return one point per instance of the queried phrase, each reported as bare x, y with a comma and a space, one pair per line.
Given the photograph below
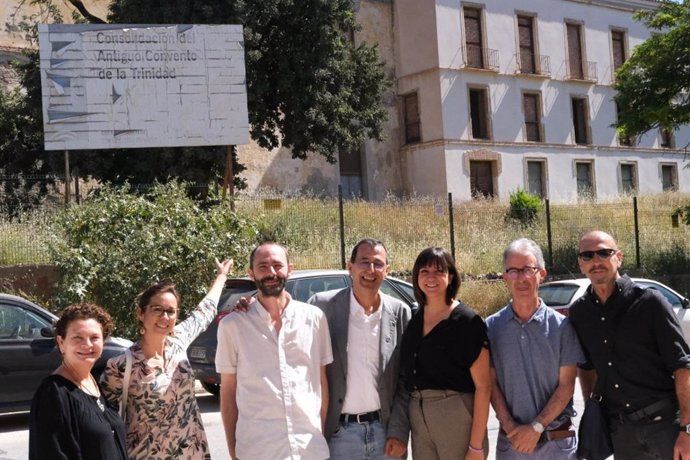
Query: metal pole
77, 192
452, 224
549, 235
342, 227
637, 233
67, 179
229, 174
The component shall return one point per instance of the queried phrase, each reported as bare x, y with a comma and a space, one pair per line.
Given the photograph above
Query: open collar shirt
528, 357
634, 342
363, 352
278, 380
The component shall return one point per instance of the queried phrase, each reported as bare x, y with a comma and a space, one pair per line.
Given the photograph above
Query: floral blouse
162, 415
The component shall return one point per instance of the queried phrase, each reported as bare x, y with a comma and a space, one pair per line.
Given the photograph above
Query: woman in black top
444, 368
69, 417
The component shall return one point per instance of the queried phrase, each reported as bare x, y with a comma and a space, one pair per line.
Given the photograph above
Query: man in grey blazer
366, 328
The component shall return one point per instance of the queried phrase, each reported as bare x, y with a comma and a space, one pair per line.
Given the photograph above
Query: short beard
271, 291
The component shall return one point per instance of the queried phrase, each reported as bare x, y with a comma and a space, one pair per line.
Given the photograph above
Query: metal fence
320, 232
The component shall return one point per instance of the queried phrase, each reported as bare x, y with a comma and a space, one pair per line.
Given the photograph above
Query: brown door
481, 179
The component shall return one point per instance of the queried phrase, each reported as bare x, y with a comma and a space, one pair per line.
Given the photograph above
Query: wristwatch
538, 427
685, 428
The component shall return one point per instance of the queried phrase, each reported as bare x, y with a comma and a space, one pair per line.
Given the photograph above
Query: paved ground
14, 435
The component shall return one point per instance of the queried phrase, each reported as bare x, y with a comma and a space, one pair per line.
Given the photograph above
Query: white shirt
278, 380
363, 358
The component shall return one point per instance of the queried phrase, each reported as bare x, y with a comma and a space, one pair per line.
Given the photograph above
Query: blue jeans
355, 441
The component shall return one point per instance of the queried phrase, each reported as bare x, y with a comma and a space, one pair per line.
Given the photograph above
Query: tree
309, 88
654, 84
117, 243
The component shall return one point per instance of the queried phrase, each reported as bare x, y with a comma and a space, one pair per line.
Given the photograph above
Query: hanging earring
142, 330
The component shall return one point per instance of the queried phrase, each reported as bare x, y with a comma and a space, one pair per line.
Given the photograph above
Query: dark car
28, 352
301, 285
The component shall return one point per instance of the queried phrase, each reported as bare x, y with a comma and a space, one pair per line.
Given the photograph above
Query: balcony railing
534, 65
588, 72
482, 58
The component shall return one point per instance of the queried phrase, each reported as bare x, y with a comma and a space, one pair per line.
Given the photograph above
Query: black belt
366, 417
646, 412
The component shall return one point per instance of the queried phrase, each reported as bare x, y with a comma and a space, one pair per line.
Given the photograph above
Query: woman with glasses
444, 369
159, 407
69, 416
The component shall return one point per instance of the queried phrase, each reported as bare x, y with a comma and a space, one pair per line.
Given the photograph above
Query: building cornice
627, 5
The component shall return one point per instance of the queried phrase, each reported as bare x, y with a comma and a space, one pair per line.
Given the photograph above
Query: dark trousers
650, 438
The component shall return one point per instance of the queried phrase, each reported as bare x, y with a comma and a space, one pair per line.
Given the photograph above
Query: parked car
560, 295
28, 352
301, 285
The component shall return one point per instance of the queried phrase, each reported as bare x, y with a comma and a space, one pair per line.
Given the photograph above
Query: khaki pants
441, 422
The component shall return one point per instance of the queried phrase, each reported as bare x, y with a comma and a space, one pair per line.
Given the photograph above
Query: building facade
496, 96
488, 97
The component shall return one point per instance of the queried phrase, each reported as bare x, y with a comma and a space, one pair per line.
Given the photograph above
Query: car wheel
212, 388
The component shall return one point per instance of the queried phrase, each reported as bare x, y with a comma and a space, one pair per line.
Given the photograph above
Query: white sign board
124, 86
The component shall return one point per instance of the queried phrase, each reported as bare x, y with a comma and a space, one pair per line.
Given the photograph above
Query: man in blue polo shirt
534, 354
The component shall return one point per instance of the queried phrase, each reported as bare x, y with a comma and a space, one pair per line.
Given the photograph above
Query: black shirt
66, 423
634, 342
442, 359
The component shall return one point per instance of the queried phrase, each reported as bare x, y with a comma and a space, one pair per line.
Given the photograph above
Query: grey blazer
394, 318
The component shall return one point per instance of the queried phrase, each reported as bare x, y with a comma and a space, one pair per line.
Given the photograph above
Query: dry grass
310, 228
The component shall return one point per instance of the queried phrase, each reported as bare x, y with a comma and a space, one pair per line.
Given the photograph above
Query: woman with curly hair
69, 416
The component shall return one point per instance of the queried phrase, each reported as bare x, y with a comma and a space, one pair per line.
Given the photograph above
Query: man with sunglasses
534, 357
638, 362
366, 328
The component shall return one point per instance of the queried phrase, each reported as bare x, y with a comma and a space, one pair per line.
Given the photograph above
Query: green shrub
117, 243
524, 207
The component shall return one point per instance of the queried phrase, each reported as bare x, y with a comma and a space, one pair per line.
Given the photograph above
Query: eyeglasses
514, 273
600, 253
160, 311
378, 266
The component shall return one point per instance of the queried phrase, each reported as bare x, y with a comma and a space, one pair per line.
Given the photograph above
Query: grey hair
523, 245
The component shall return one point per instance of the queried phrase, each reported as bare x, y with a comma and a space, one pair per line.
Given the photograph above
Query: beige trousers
441, 422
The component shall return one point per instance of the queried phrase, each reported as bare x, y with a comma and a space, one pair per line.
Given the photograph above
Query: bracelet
474, 449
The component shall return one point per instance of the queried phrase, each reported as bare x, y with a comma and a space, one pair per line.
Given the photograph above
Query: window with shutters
526, 38
536, 177
575, 59
350, 165
580, 120
481, 179
412, 121
618, 45
666, 137
669, 177
479, 113
628, 178
531, 103
473, 37
585, 179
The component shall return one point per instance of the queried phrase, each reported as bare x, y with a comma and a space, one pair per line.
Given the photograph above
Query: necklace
96, 396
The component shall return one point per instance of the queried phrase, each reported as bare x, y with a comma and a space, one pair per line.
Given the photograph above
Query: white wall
443, 87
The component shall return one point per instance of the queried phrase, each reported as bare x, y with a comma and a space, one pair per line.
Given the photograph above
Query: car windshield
557, 295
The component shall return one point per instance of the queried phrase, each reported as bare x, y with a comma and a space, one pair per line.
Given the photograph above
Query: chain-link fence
320, 232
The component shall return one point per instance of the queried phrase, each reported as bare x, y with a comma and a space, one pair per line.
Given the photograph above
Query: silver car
560, 295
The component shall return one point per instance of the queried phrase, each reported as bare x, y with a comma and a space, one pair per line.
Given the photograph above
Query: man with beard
272, 361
